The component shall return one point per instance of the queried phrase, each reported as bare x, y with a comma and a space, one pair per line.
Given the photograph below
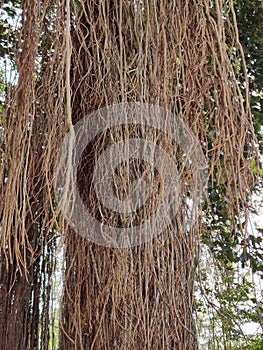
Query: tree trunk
142, 297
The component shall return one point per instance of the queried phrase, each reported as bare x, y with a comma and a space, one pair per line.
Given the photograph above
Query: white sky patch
251, 328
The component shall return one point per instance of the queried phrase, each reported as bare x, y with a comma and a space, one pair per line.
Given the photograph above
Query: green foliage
255, 343
231, 253
250, 25
8, 30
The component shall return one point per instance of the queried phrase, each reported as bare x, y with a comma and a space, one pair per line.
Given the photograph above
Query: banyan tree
71, 59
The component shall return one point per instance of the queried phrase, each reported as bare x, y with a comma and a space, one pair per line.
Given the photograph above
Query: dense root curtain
181, 55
